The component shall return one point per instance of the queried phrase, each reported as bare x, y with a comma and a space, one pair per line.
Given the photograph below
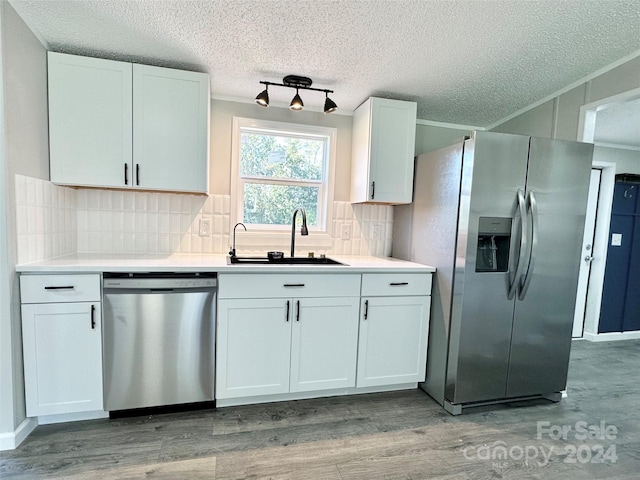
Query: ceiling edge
571, 86
432, 123
33, 30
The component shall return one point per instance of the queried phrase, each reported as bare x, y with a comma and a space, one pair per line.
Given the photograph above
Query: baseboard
11, 440
611, 337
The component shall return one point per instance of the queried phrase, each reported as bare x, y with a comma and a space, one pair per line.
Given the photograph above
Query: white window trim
280, 236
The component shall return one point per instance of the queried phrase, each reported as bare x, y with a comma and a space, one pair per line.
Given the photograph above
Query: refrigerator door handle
532, 207
513, 285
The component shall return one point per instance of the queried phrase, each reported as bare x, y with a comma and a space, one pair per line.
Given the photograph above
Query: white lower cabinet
394, 329
62, 344
300, 343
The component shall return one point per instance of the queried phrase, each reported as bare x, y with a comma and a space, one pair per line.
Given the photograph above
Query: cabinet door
253, 350
62, 357
393, 340
324, 343
393, 134
171, 129
90, 123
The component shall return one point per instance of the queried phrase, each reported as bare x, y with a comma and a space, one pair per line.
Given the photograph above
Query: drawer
287, 285
395, 284
59, 288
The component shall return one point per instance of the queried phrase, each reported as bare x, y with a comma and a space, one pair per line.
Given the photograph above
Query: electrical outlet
377, 231
345, 233
205, 227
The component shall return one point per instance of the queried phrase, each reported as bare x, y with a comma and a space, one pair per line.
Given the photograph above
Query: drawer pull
398, 284
298, 311
93, 317
293, 285
63, 287
286, 317
366, 309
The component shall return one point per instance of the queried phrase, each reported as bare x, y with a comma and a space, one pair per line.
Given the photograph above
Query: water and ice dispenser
494, 239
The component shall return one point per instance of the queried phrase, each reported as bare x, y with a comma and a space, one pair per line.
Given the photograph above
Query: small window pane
275, 156
266, 204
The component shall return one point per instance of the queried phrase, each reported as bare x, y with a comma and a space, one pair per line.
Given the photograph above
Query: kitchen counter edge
212, 263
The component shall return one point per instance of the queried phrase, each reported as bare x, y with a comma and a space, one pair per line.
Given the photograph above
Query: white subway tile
174, 202
141, 221
39, 194
22, 227
164, 225
185, 243
117, 200
164, 243
208, 206
196, 244
81, 198
185, 223
129, 242
163, 202
218, 245
21, 190
106, 244
39, 220
197, 203
152, 243
175, 219
106, 221
129, 222
31, 191
106, 200
93, 242
117, 240
218, 204
226, 204
93, 199
128, 201
117, 221
93, 218
83, 241
141, 201
219, 226
141, 243
48, 224
185, 204
152, 202
207, 244
152, 222
31, 220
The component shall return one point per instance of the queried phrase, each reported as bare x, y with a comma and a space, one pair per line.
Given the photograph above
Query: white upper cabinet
90, 121
383, 145
170, 129
114, 124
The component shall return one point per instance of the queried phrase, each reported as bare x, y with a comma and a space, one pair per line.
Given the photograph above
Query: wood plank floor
400, 435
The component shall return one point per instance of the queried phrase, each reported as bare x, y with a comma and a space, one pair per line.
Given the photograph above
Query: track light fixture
299, 83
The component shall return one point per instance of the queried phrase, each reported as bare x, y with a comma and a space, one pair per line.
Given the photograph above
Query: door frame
586, 133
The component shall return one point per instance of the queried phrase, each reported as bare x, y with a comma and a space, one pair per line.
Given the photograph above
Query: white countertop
86, 263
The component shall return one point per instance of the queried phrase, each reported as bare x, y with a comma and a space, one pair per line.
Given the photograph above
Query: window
279, 167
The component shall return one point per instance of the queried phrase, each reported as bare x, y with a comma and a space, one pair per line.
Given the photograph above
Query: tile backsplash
53, 220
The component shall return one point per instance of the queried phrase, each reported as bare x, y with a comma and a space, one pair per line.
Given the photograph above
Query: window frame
326, 187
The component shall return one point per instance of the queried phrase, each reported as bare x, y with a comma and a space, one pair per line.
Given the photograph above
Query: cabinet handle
293, 285
286, 317
298, 311
373, 190
138, 174
398, 284
126, 174
366, 309
93, 317
64, 287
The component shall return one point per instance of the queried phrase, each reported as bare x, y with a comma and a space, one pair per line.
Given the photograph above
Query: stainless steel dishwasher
158, 339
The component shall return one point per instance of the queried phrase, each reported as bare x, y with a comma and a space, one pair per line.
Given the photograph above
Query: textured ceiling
619, 125
465, 62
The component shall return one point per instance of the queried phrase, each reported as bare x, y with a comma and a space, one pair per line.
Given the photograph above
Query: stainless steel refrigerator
501, 216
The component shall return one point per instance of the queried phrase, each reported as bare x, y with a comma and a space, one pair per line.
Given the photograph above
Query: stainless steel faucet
303, 230
232, 251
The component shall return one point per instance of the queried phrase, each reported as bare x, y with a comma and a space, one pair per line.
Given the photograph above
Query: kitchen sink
282, 261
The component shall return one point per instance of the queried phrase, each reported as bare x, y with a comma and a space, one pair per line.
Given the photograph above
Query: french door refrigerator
501, 217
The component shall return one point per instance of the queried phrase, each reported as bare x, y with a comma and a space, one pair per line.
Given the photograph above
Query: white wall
222, 113
559, 116
25, 151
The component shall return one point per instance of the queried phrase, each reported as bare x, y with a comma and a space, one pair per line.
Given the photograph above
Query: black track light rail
301, 87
